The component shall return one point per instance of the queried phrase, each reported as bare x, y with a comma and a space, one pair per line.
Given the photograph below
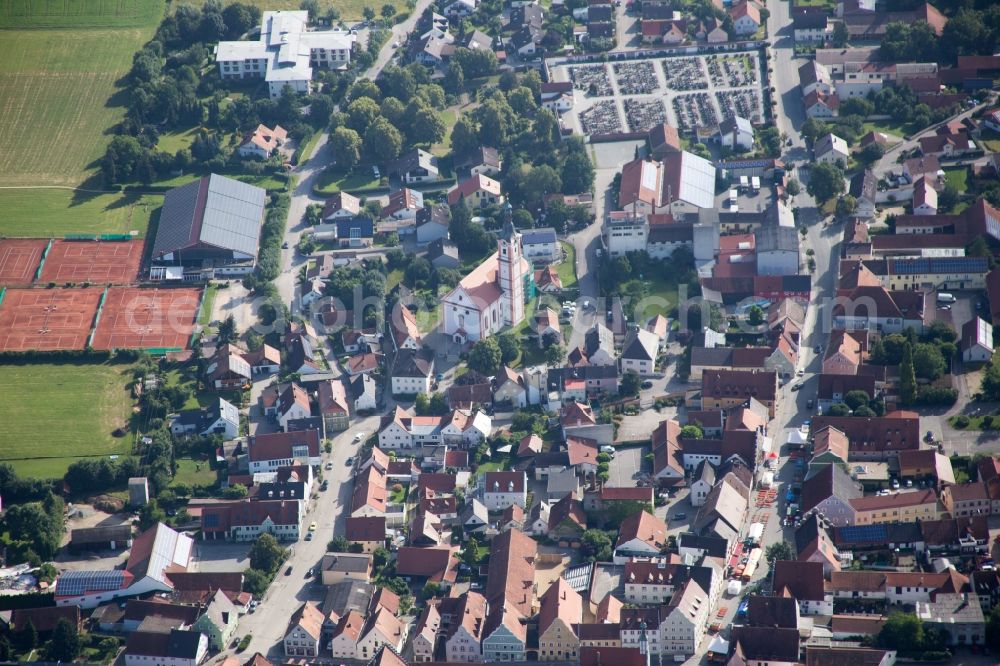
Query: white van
944, 297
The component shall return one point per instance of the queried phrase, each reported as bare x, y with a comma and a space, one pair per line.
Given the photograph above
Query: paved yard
639, 427
220, 557
626, 466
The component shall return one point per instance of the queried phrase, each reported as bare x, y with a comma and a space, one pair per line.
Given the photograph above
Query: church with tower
492, 296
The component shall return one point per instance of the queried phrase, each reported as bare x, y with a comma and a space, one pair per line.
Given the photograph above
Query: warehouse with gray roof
209, 226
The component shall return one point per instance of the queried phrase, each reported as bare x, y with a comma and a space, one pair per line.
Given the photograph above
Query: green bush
961, 422
244, 643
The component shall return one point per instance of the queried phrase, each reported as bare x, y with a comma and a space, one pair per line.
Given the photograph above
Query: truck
945, 297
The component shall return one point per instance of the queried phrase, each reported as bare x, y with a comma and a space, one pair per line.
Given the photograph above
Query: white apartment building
285, 53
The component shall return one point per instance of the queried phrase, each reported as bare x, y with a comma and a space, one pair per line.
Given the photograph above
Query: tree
431, 590
368, 13
793, 187
928, 362
383, 142
840, 35
755, 315
266, 554
692, 431
779, 550
948, 199
255, 582
839, 409
825, 181
902, 631
65, 642
6, 649
235, 491
871, 153
27, 638
424, 124
388, 11
577, 173
509, 347
346, 146
464, 137
856, 398
630, 384
239, 19
151, 514
361, 113
454, 78
227, 330
907, 377
846, 206
486, 356
596, 545
380, 557
339, 544
993, 629
470, 552
555, 354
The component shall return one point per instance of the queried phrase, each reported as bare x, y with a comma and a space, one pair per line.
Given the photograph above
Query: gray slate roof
213, 210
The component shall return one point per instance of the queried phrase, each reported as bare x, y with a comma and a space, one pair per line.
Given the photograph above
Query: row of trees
266, 556
970, 31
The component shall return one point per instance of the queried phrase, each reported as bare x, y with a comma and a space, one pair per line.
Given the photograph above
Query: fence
97, 317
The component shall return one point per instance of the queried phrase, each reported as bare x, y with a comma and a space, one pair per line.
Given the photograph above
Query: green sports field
80, 13
58, 212
59, 412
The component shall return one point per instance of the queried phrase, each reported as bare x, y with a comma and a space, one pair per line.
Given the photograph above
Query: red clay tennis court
135, 318
47, 319
19, 259
100, 262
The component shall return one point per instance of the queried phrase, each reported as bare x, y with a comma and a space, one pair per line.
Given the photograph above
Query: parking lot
688, 92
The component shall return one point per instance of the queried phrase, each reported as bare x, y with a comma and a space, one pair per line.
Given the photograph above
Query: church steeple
508, 223
509, 275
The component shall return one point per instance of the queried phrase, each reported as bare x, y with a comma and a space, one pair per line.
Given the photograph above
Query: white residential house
639, 352
831, 149
540, 244
411, 373
222, 418
304, 632
344, 644
381, 628
683, 629
736, 133
503, 489
977, 341
466, 428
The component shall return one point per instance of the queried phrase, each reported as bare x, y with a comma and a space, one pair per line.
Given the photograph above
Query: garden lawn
58, 99
205, 316
449, 117
171, 142
56, 212
959, 178
893, 128
55, 413
332, 181
192, 472
990, 140
567, 269
661, 297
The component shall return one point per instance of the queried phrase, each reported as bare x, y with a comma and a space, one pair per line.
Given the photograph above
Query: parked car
350, 461
288, 571
647, 384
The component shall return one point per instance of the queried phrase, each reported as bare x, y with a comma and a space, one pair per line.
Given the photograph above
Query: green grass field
349, 9
55, 413
59, 100
332, 181
79, 13
56, 212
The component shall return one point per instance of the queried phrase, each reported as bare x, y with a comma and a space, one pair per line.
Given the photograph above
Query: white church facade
492, 296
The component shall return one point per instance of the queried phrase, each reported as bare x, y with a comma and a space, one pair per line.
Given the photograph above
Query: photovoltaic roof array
78, 583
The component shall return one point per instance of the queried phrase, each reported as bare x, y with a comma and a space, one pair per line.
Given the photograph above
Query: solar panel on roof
864, 533
938, 265
78, 583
